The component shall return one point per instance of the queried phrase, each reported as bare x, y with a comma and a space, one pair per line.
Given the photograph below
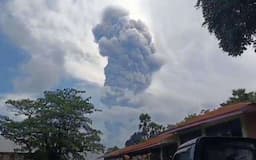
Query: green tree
147, 129
155, 129
190, 116
232, 22
111, 149
240, 95
54, 127
187, 118
135, 138
193, 115
145, 120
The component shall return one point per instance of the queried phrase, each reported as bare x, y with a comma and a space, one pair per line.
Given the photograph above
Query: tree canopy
240, 95
112, 149
54, 127
232, 22
147, 129
193, 115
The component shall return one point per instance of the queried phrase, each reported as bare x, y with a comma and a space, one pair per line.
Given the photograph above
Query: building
232, 120
11, 156
7, 150
164, 144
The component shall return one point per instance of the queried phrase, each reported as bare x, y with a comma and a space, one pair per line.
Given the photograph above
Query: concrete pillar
178, 139
243, 126
203, 132
161, 153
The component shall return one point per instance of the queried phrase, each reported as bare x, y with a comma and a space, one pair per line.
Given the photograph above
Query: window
184, 154
168, 151
232, 128
190, 135
230, 151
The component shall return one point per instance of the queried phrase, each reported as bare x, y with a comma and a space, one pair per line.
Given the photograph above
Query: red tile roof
217, 114
153, 142
220, 113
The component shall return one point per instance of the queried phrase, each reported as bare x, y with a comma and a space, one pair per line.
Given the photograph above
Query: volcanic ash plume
128, 45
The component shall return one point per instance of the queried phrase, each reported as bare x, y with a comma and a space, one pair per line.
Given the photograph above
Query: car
217, 148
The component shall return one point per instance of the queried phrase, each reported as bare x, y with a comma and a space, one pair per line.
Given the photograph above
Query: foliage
193, 115
190, 116
147, 129
54, 127
232, 22
111, 149
145, 121
240, 95
135, 138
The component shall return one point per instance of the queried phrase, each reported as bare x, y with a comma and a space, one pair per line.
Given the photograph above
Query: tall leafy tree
136, 138
232, 22
147, 129
145, 121
240, 95
54, 127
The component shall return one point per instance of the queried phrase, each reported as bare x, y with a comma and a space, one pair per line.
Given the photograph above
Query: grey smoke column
128, 45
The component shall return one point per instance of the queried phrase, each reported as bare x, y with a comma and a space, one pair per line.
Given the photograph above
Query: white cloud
5, 109
57, 36
117, 124
196, 75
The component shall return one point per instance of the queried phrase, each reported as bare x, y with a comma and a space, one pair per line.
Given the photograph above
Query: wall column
161, 153
203, 132
243, 126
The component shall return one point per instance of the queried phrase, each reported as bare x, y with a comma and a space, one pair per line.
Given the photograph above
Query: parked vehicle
217, 148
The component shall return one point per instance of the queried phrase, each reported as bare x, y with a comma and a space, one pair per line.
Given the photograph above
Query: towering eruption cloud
128, 45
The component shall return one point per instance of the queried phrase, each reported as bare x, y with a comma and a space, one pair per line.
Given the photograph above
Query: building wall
238, 126
249, 121
10, 156
163, 152
188, 135
227, 127
168, 151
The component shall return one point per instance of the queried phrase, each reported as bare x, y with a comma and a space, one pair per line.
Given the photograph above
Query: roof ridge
225, 109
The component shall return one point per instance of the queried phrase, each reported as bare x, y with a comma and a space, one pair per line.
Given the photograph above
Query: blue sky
11, 59
51, 45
